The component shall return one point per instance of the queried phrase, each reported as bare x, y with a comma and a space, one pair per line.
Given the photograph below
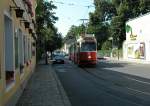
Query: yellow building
17, 47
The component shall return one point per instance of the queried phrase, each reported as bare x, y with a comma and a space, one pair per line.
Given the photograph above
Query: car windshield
58, 56
88, 46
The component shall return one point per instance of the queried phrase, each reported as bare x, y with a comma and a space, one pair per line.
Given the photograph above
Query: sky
70, 12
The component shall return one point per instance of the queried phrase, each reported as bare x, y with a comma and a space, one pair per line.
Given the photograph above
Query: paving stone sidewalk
44, 89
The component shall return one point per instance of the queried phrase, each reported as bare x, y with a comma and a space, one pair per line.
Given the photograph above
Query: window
29, 49
33, 48
9, 51
26, 50
88, 46
21, 51
16, 51
24, 46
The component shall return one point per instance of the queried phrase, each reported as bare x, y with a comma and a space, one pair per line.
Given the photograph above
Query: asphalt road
107, 84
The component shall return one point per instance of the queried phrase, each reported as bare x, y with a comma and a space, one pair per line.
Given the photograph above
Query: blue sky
70, 12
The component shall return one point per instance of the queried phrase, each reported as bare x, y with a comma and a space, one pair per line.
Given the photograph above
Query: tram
84, 50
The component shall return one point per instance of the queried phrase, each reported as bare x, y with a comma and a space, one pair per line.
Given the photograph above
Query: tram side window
90, 46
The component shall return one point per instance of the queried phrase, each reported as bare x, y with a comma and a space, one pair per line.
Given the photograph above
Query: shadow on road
102, 64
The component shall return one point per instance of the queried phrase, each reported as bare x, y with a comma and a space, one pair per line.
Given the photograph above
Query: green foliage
144, 6
128, 28
107, 45
104, 53
126, 9
48, 37
117, 53
100, 20
110, 16
76, 30
118, 30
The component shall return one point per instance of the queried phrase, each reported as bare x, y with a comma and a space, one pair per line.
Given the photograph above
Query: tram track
106, 89
103, 81
122, 79
115, 84
117, 89
115, 78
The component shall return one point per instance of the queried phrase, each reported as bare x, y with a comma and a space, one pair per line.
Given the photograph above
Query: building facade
17, 47
137, 44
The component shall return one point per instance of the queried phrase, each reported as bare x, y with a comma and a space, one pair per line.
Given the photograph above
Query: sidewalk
44, 89
137, 61
141, 70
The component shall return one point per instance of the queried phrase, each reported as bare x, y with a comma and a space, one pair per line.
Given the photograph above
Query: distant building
17, 47
67, 43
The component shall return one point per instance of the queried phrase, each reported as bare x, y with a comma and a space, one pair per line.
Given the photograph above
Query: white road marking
61, 70
138, 80
146, 93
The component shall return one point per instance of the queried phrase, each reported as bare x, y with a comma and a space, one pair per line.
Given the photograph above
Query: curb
61, 90
130, 61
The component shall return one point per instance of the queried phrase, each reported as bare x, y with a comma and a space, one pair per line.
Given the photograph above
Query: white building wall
125, 50
140, 27
148, 50
138, 39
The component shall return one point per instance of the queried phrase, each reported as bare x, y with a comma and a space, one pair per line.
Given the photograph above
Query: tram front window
90, 46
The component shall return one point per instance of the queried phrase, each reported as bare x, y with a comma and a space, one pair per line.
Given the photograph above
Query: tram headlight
89, 57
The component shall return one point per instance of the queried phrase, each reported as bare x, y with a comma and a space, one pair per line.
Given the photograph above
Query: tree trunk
46, 58
51, 55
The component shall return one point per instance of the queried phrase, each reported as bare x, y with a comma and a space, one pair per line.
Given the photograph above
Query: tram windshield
88, 46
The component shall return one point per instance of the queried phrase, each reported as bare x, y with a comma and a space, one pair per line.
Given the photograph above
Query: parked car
58, 59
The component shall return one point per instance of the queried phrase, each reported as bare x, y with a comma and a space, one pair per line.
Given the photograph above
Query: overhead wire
72, 4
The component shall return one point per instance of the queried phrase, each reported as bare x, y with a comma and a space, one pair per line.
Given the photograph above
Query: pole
118, 48
111, 39
112, 48
83, 22
46, 55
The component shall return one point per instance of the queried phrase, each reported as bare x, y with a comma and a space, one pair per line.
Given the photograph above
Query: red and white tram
84, 50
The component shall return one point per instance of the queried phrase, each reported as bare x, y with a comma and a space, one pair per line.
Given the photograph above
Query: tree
126, 9
109, 18
99, 23
48, 37
144, 6
76, 30
107, 45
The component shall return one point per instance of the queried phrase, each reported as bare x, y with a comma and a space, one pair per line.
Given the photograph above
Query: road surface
107, 84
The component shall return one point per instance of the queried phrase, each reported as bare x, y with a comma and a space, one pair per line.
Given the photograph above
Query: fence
110, 53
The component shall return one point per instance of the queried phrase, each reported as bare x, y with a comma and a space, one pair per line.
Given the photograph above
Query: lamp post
118, 47
111, 39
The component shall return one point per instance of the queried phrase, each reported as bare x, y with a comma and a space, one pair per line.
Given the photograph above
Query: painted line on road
146, 93
138, 80
62, 70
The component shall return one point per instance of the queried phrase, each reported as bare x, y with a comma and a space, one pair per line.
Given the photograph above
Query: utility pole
84, 23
